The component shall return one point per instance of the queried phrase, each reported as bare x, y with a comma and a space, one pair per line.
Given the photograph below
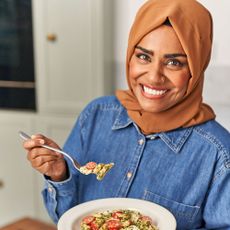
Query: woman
164, 141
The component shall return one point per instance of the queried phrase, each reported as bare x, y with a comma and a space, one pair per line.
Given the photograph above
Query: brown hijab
193, 26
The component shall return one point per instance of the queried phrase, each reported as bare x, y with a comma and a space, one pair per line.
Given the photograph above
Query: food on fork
122, 219
99, 169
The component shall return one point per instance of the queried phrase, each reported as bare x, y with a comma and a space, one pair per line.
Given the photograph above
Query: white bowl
71, 219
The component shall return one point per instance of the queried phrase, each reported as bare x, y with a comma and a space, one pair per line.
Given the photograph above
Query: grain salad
122, 219
99, 170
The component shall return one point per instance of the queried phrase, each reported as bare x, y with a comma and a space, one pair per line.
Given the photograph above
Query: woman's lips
150, 92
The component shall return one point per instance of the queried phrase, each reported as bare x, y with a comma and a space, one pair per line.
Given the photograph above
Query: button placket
130, 173
132, 167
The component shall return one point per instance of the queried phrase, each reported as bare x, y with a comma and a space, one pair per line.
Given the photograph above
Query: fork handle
27, 137
63, 153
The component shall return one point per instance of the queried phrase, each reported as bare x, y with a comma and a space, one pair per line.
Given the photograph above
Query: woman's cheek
134, 70
132, 73
180, 81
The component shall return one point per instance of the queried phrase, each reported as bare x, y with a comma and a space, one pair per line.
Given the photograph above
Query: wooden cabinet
17, 194
70, 51
72, 64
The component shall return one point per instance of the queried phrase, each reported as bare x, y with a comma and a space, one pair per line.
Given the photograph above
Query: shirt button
129, 175
50, 189
141, 142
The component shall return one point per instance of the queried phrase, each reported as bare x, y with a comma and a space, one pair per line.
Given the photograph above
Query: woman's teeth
154, 91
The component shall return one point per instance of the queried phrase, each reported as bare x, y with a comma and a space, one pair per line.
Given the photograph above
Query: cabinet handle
51, 37
17, 84
1, 184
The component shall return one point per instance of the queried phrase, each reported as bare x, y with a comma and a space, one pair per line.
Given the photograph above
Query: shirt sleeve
217, 207
59, 197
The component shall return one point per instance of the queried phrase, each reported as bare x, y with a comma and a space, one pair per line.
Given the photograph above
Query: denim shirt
186, 170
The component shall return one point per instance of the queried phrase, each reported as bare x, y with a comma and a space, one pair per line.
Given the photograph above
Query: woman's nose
155, 73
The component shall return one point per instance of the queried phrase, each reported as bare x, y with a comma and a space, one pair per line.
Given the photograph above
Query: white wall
217, 81
216, 92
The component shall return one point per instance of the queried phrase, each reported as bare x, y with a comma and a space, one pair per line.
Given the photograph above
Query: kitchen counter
29, 224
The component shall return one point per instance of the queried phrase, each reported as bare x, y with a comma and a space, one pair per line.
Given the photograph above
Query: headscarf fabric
192, 23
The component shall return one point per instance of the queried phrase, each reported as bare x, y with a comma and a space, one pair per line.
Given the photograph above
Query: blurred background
56, 56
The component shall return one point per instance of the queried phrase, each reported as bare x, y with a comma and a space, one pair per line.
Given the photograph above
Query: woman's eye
143, 57
174, 64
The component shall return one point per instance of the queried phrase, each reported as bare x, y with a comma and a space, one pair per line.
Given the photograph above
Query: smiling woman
165, 143
164, 37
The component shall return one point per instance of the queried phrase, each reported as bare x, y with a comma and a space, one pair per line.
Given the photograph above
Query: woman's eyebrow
144, 50
166, 55
175, 55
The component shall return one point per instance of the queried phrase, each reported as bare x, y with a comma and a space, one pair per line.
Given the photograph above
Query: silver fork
76, 165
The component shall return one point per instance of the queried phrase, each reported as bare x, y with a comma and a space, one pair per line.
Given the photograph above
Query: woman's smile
158, 70
152, 92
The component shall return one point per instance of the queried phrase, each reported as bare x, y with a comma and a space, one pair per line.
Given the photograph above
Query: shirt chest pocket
185, 214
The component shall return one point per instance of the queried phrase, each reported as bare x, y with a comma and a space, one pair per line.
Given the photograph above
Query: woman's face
158, 70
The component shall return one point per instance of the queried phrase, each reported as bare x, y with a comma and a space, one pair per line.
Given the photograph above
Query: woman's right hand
46, 161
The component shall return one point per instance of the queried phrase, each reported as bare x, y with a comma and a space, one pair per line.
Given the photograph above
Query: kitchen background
55, 56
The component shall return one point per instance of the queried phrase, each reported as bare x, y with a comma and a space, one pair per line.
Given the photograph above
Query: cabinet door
16, 175
69, 53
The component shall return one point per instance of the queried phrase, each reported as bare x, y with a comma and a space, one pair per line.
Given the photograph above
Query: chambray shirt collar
122, 120
173, 139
